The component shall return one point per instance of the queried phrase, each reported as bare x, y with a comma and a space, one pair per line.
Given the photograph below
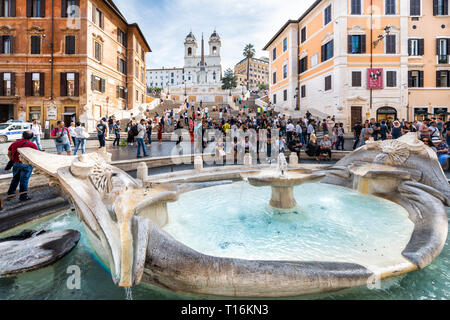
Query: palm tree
249, 53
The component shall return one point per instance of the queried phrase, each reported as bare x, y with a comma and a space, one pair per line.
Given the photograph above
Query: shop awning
68, 113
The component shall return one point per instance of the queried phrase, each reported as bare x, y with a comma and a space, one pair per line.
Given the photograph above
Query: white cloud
165, 24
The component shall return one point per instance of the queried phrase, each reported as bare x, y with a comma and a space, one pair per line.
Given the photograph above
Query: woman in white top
80, 138
37, 133
72, 132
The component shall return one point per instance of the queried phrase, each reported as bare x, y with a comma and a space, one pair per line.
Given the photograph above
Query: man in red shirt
21, 171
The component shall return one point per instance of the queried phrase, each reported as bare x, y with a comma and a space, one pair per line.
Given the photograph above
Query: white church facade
201, 76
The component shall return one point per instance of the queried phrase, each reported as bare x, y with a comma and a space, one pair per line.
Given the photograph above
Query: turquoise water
51, 282
331, 223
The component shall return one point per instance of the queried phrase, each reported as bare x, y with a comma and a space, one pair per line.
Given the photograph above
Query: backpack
134, 130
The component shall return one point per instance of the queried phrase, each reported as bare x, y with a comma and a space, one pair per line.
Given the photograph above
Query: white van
12, 130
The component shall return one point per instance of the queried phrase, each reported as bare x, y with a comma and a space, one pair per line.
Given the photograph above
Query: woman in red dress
160, 133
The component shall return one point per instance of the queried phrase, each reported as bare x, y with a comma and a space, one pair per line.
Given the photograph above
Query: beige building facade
258, 72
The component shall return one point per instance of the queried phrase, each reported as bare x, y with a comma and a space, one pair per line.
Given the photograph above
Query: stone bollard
142, 171
198, 163
293, 160
247, 160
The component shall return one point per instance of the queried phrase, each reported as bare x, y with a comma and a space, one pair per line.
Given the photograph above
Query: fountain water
282, 183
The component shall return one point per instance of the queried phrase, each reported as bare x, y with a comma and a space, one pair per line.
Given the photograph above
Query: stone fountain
124, 219
282, 183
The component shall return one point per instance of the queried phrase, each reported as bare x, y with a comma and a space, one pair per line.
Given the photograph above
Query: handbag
85, 135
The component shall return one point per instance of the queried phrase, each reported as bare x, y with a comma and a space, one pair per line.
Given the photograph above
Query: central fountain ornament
282, 183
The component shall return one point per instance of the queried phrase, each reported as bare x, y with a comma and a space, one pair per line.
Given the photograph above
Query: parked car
12, 130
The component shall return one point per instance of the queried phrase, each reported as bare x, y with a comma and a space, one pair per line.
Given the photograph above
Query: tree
249, 53
229, 80
263, 86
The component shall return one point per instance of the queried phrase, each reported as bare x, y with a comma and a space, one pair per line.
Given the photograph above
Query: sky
166, 23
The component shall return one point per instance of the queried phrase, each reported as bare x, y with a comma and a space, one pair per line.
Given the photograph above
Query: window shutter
11, 38
13, 84
435, 7
29, 9
349, 44
438, 79
421, 47
394, 78
13, 8
332, 49
421, 79
28, 77
64, 8
2, 44
42, 84
445, 7
63, 84
1, 13
437, 46
118, 91
92, 82
118, 63
103, 85
2, 89
323, 53
409, 47
93, 14
77, 85
363, 43
102, 20
409, 79
448, 46
448, 78
42, 13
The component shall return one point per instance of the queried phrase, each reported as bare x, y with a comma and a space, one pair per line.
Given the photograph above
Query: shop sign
375, 78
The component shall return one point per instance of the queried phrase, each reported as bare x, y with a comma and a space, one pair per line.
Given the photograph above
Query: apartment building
258, 72
351, 60
165, 77
78, 57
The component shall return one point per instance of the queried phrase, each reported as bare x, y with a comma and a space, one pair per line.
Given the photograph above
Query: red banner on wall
375, 78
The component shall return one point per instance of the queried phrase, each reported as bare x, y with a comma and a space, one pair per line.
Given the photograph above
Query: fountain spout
281, 164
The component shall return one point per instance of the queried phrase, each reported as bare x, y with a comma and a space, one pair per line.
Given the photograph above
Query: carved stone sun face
393, 152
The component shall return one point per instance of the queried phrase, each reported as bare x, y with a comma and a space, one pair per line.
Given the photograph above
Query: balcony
443, 59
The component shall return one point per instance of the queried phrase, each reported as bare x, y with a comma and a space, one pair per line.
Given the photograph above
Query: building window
356, 79
443, 49
303, 34
284, 44
327, 51
391, 79
70, 44
121, 37
274, 99
285, 71
7, 84
414, 7
6, 44
327, 15
136, 70
98, 84
274, 54
35, 8
36, 84
274, 77
142, 54
137, 96
413, 47
356, 44
440, 7
443, 78
314, 60
35, 44
303, 91
121, 65
69, 84
7, 8
285, 95
356, 7
389, 7
70, 8
415, 79
303, 64
97, 17
121, 92
97, 51
327, 83
391, 44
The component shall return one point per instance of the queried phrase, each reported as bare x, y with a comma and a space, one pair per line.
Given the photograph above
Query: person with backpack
101, 133
21, 172
62, 138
